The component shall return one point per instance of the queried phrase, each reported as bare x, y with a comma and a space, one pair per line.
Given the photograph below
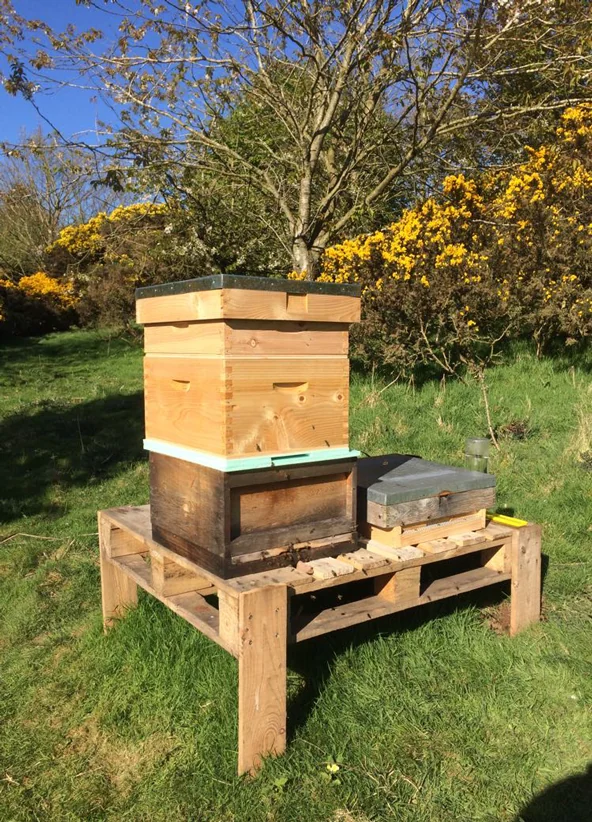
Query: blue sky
71, 111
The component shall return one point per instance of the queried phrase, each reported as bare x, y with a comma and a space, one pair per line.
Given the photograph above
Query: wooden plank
398, 537
436, 546
280, 473
172, 308
285, 537
136, 567
404, 513
279, 505
193, 608
315, 534
495, 531
446, 528
344, 616
375, 607
328, 568
118, 591
243, 304
363, 560
429, 508
277, 305
526, 577
383, 536
276, 339
395, 554
169, 578
400, 587
465, 502
469, 538
262, 631
286, 405
228, 607
288, 575
461, 584
186, 338
184, 400
255, 338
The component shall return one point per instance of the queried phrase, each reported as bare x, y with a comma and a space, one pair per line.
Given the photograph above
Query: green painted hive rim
215, 282
230, 464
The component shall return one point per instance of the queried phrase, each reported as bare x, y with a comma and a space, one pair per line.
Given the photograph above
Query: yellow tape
503, 520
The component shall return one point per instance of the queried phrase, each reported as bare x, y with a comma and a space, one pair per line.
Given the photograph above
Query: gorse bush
36, 304
506, 254
103, 261
109, 256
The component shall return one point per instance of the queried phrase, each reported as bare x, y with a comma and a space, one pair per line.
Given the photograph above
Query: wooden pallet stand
254, 617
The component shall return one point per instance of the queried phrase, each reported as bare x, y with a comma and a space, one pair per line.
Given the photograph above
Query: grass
431, 715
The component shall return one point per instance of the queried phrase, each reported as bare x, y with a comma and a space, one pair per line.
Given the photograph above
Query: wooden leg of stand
262, 640
118, 591
526, 577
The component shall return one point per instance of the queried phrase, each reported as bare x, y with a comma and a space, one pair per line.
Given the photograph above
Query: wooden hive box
246, 384
240, 367
236, 523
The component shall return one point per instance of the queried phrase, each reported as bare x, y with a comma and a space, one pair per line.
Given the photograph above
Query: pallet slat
461, 584
190, 606
364, 560
375, 607
436, 546
329, 568
395, 554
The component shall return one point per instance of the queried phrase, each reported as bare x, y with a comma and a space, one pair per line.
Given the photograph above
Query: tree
324, 107
43, 187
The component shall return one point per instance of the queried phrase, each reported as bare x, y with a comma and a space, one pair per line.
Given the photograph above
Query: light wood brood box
237, 371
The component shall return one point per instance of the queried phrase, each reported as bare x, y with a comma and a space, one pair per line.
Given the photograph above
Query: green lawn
431, 715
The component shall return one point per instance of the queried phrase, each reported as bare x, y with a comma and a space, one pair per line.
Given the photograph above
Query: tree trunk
306, 261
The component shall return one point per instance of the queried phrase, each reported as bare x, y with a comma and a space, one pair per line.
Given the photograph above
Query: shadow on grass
60, 446
68, 349
570, 799
314, 659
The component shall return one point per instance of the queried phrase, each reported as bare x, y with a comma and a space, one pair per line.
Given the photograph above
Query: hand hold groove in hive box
239, 370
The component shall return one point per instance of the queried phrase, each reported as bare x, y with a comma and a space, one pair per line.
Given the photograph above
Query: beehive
404, 500
243, 374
